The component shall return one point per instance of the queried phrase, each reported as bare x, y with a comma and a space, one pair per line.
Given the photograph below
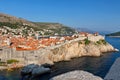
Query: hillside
13, 24
114, 34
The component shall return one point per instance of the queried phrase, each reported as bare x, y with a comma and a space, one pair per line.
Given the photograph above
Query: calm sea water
96, 65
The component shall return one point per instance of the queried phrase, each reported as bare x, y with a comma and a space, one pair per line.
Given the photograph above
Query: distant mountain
104, 32
92, 31
114, 34
85, 30
46, 28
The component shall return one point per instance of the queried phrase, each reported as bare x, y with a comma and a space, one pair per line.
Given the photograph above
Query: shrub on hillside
101, 41
87, 41
12, 61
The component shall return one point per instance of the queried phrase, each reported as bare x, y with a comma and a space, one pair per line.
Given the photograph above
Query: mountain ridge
114, 34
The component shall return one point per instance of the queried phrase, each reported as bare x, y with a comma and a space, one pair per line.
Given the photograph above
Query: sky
96, 15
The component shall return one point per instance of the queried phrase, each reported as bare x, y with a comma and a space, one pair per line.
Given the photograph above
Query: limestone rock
34, 70
76, 75
28, 69
40, 70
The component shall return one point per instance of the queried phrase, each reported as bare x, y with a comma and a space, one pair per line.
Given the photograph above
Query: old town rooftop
30, 43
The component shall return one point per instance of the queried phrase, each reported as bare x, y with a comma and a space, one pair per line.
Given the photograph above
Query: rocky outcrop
75, 49
76, 75
34, 70
65, 51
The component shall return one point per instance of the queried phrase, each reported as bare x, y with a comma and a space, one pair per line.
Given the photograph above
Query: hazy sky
97, 15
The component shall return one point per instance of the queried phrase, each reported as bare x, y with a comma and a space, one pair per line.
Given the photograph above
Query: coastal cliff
81, 46
76, 48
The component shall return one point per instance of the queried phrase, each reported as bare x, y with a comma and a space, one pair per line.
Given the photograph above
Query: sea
98, 66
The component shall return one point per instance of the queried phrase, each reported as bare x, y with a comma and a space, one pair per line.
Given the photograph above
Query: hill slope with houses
20, 26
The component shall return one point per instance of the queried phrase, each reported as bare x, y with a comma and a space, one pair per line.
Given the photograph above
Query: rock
76, 75
40, 70
27, 77
47, 65
116, 50
28, 69
34, 70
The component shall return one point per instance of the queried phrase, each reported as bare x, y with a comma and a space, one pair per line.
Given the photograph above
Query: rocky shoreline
81, 46
31, 71
74, 49
76, 75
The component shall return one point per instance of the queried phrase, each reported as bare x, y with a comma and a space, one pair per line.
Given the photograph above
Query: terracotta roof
31, 43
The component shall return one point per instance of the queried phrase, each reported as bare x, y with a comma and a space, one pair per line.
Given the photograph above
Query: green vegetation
98, 42
101, 42
12, 61
80, 42
8, 62
54, 28
3, 64
114, 34
25, 33
87, 41
11, 25
47, 33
